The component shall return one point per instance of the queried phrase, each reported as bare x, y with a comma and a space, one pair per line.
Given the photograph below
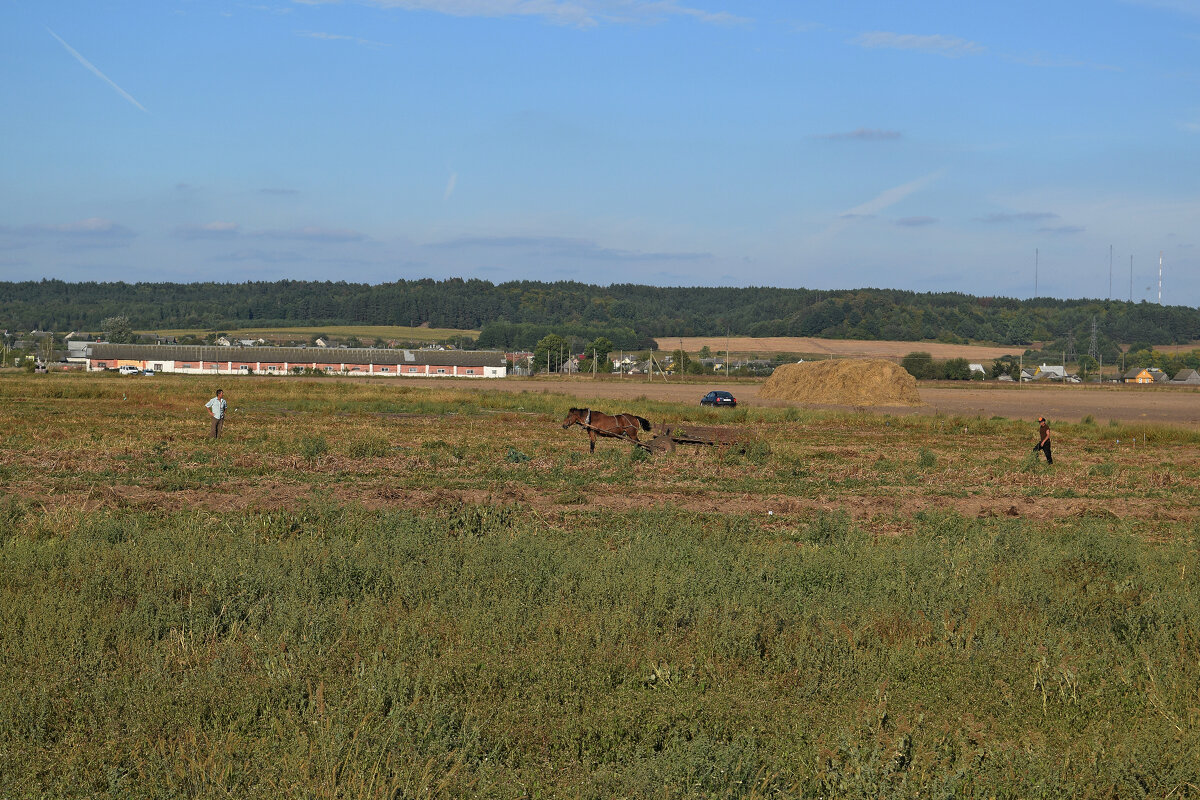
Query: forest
518, 313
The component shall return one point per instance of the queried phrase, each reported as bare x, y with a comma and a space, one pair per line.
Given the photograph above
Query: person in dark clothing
1044, 440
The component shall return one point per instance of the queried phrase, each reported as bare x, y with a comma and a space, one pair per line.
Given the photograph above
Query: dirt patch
858, 382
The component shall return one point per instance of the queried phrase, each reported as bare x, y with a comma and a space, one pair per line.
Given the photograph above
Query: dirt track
1126, 404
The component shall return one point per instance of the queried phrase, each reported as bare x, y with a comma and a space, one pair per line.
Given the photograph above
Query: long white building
208, 360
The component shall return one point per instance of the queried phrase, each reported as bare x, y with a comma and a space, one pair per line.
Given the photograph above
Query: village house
1188, 376
203, 360
1049, 372
1145, 375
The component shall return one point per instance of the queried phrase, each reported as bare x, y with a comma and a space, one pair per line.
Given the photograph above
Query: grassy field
372, 590
366, 333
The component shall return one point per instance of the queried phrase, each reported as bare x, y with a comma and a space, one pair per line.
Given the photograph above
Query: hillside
510, 314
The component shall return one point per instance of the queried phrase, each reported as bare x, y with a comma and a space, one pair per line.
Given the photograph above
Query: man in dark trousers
216, 409
1044, 440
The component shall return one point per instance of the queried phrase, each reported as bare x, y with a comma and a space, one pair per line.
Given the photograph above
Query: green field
366, 333
371, 590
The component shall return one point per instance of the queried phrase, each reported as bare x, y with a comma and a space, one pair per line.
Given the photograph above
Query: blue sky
933, 146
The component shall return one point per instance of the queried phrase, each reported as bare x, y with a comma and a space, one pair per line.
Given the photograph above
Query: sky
994, 148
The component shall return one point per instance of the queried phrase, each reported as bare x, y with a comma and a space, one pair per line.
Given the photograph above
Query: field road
1126, 404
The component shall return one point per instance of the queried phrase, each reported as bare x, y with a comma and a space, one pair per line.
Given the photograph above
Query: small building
1188, 376
978, 368
1145, 375
1049, 372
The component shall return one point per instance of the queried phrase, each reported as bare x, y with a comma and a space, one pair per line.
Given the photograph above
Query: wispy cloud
561, 247
312, 234
93, 232
892, 196
871, 208
280, 192
91, 67
575, 13
451, 183
916, 222
863, 135
231, 230
266, 256
1020, 216
211, 230
1053, 62
338, 37
949, 46
1062, 230
1190, 127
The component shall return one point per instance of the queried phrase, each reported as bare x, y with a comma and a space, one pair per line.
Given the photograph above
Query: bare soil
1174, 405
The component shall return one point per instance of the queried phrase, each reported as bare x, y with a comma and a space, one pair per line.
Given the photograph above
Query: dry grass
376, 589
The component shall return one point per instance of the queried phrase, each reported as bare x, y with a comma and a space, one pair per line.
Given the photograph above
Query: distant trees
516, 315
550, 353
922, 366
919, 365
117, 329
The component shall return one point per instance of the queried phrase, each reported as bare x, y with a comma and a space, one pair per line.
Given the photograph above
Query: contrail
95, 71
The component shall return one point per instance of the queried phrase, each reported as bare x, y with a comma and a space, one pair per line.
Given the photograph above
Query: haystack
843, 382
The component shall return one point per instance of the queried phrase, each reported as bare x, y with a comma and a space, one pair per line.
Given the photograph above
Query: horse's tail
645, 423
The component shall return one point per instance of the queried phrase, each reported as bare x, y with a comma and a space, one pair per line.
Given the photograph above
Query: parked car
149, 372
718, 399
129, 369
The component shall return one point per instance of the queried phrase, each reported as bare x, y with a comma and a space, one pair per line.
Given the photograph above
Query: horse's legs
592, 437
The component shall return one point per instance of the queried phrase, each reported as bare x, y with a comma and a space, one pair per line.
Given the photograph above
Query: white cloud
949, 46
450, 184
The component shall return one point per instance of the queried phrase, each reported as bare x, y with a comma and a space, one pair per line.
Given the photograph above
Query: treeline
646, 311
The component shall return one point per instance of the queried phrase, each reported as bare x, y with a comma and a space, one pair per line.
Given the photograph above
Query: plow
664, 438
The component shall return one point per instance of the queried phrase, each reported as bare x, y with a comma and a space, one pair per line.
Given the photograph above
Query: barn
206, 360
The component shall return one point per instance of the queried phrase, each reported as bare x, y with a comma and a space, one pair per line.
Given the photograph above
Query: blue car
718, 399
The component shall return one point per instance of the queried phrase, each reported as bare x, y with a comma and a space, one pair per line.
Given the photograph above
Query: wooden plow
668, 436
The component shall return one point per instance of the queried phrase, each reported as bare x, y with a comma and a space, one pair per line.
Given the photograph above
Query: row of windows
274, 368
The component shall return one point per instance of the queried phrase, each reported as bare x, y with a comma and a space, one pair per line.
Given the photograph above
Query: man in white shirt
216, 408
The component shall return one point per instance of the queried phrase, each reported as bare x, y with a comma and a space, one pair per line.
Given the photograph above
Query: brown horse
597, 423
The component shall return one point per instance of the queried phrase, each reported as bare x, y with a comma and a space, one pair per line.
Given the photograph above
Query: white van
129, 369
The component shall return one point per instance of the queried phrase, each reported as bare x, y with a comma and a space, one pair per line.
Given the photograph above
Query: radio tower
1093, 344
1071, 354
1160, 277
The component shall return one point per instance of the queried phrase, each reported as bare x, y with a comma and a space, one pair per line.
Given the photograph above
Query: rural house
1145, 375
202, 360
1189, 376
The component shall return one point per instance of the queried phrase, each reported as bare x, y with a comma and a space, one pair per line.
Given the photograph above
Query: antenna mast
1035, 271
1160, 277
1110, 272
